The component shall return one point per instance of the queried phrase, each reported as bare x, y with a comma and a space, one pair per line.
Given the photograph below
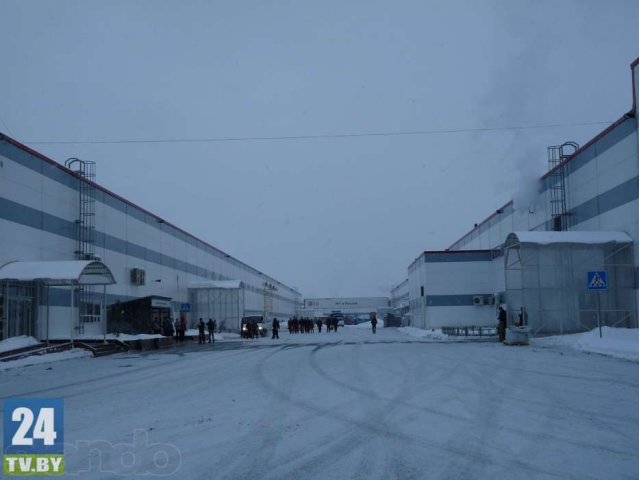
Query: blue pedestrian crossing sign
597, 280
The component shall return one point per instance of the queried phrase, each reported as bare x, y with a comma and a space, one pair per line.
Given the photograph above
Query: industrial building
564, 263
399, 299
353, 308
71, 250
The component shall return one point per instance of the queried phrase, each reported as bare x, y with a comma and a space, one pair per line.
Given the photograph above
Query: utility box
517, 336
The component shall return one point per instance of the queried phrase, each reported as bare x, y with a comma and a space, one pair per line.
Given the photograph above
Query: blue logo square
33, 426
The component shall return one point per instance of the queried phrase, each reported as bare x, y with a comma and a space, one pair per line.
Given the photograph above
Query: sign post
596, 282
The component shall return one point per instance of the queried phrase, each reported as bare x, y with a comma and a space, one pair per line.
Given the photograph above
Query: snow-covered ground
14, 343
345, 405
434, 334
615, 342
48, 358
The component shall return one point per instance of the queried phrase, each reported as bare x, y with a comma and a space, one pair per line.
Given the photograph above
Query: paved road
351, 406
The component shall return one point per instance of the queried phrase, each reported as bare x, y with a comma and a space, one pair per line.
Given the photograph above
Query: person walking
374, 322
502, 324
275, 326
319, 324
155, 327
211, 326
176, 327
183, 327
201, 332
167, 327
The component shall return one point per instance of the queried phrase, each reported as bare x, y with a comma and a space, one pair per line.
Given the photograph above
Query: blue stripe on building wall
11, 211
30, 217
457, 256
597, 148
585, 211
610, 200
50, 171
453, 300
61, 297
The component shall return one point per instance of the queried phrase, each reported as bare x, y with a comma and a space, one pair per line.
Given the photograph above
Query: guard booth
547, 275
152, 315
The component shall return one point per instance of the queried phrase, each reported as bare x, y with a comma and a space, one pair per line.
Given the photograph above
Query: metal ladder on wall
85, 233
560, 215
268, 292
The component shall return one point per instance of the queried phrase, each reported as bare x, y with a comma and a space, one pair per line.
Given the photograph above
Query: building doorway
17, 311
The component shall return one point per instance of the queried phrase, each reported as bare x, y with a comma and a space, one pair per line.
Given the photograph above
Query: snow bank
434, 334
226, 336
615, 342
192, 332
14, 343
110, 336
366, 324
126, 336
47, 358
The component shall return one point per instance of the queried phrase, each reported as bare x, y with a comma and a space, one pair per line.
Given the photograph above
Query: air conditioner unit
137, 276
478, 300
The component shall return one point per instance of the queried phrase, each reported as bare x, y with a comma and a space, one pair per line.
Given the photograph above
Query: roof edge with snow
227, 284
582, 237
58, 272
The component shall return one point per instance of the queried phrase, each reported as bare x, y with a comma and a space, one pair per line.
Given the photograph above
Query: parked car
339, 317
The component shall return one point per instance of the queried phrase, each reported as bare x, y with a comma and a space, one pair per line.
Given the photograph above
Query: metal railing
470, 331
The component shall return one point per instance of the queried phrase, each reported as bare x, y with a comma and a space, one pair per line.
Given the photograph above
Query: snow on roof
217, 284
587, 237
60, 272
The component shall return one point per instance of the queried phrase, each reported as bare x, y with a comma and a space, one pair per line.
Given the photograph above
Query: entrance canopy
66, 272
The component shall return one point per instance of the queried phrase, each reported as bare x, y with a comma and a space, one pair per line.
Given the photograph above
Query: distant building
357, 308
400, 298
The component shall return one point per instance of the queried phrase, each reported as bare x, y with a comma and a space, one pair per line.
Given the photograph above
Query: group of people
170, 328
308, 325
294, 324
165, 327
250, 330
211, 327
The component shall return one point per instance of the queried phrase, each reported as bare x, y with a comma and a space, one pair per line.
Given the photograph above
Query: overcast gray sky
332, 216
